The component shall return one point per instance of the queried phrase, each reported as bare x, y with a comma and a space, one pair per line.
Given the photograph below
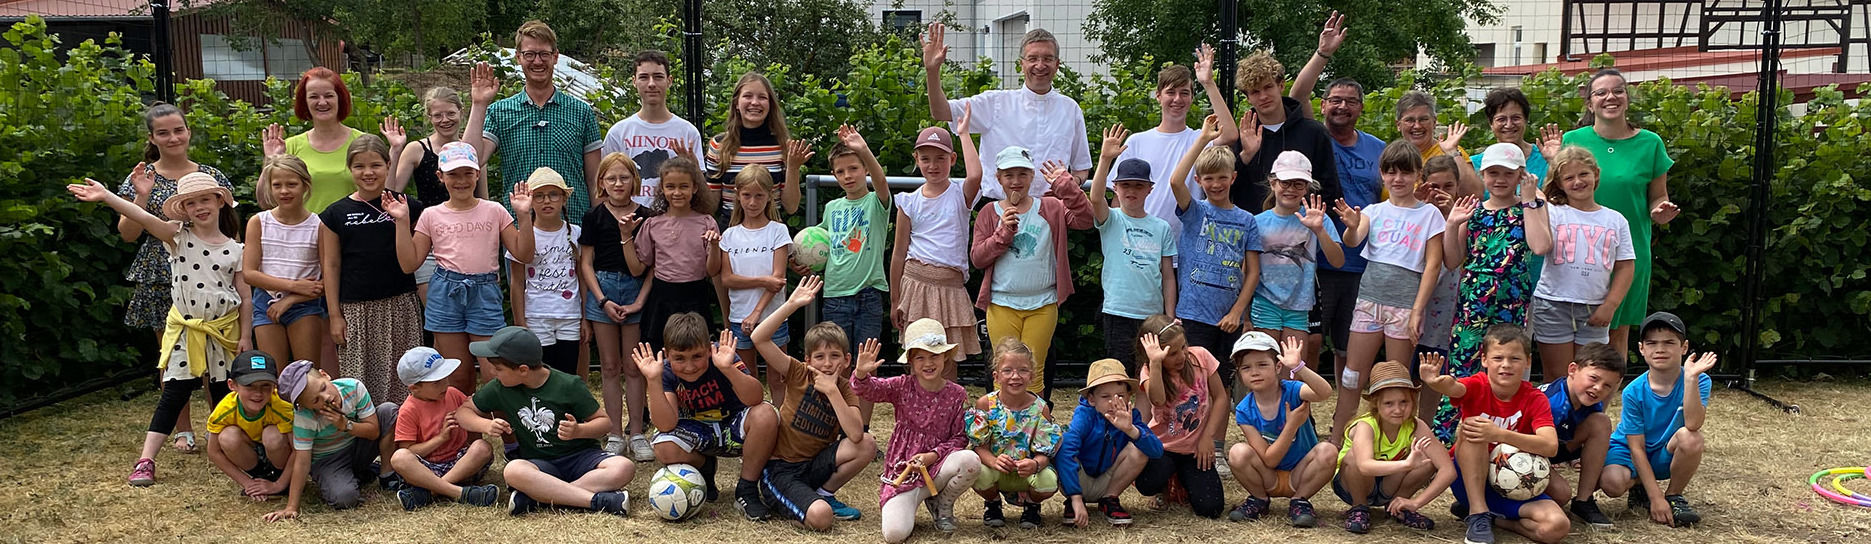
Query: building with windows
994, 29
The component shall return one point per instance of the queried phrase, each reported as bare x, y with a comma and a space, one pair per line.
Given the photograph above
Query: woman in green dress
1635, 182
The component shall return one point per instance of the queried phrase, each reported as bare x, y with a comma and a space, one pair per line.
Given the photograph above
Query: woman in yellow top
321, 97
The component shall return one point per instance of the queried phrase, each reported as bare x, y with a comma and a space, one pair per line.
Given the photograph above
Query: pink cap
457, 155
936, 137
1292, 165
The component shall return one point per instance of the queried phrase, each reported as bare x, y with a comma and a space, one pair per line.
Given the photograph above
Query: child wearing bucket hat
1281, 455
1106, 446
205, 326
433, 453
1390, 458
929, 435
466, 235
1020, 245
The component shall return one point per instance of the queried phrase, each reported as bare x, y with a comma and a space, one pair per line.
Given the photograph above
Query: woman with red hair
321, 97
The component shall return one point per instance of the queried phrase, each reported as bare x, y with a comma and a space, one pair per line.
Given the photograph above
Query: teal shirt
557, 135
859, 229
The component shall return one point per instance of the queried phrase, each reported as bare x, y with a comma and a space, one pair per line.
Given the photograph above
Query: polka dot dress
201, 284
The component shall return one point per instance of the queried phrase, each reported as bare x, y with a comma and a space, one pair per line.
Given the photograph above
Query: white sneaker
1221, 466
614, 445
640, 449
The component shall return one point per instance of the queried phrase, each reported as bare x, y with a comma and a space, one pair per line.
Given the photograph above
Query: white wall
996, 26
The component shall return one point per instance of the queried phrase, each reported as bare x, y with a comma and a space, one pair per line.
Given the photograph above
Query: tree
816, 37
1168, 30
423, 28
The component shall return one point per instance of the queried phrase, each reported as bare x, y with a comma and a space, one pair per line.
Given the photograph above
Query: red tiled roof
85, 9
1802, 85
1658, 59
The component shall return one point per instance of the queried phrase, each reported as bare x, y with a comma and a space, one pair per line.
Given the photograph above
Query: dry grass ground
62, 480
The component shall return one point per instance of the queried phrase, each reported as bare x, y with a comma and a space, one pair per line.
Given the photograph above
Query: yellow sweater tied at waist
196, 333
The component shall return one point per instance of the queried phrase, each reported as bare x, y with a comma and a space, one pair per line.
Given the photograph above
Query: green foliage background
64, 118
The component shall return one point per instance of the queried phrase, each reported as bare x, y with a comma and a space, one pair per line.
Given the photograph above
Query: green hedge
75, 114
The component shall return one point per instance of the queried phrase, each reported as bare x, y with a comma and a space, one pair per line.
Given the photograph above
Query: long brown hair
1167, 330
159, 110
731, 134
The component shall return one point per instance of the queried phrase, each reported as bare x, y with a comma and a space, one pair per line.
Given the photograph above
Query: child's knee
671, 453
1615, 480
819, 516
1324, 455
1597, 425
623, 467
341, 497
1552, 526
1687, 442
403, 459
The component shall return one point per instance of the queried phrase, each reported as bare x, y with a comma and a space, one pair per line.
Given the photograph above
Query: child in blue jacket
1103, 451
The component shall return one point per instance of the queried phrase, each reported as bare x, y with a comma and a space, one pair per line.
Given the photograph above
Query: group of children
1200, 318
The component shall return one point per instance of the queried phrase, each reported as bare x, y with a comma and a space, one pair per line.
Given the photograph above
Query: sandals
184, 442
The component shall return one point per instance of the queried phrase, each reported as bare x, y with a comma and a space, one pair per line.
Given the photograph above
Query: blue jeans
861, 315
621, 288
467, 303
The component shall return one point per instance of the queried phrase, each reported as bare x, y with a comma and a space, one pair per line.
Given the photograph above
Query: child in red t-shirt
1497, 406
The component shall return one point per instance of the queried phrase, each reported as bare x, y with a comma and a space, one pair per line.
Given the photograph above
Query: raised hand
1530, 187
1435, 196
1422, 448
1333, 35
1314, 218
1700, 364
867, 357
396, 206
1211, 129
967, 116
1452, 144
1463, 210
1430, 365
393, 133
935, 50
143, 179
273, 140
1205, 65
649, 362
1550, 139
568, 427
797, 153
807, 291
1250, 132
1350, 215
1152, 347
849, 136
1664, 213
1114, 136
687, 152
482, 86
89, 191
1120, 418
521, 198
724, 351
1292, 354
1054, 171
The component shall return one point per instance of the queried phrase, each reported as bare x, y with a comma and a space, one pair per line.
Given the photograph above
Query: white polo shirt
1050, 125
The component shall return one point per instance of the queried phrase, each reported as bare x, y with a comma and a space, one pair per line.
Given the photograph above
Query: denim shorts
621, 288
262, 299
461, 303
744, 339
861, 315
1267, 315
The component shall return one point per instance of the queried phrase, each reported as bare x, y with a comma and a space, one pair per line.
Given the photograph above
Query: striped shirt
557, 135
758, 147
289, 252
311, 433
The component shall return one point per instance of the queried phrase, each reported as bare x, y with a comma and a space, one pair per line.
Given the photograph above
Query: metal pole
160, 51
1765, 120
1230, 39
692, 60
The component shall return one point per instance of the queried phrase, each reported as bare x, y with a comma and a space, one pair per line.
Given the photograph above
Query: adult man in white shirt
1033, 116
1163, 147
653, 134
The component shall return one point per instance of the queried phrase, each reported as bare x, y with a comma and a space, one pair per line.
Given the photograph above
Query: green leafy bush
73, 116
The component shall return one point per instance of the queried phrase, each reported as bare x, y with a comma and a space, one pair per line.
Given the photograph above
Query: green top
557, 135
535, 413
1389, 448
331, 176
859, 229
1626, 167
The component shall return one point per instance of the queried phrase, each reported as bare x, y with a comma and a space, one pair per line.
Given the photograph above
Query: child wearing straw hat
205, 327
1103, 451
929, 441
1390, 458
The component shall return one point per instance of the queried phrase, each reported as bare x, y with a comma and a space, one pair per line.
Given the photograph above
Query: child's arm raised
1433, 369
1315, 220
662, 402
762, 336
1292, 358
1205, 74
879, 183
1356, 227
92, 191
142, 182
411, 247
970, 157
1455, 236
1695, 411
518, 237
1113, 147
746, 386
1211, 129
1154, 353
1539, 225
797, 153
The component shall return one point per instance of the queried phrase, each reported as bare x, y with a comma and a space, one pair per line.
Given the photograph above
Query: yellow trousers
1034, 327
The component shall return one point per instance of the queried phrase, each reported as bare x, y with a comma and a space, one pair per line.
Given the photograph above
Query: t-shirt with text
859, 229
709, 398
1132, 275
552, 278
1214, 244
466, 241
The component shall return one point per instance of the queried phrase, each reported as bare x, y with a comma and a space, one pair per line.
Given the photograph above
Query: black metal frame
1578, 31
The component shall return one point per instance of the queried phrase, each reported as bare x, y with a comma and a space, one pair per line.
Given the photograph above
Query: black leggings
563, 356
175, 395
1204, 486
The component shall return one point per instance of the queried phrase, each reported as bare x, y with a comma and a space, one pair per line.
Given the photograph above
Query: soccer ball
676, 492
811, 246
1516, 474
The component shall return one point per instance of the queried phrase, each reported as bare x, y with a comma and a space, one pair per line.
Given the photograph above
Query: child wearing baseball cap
250, 431
556, 425
434, 455
336, 434
1020, 245
1281, 455
1139, 279
929, 261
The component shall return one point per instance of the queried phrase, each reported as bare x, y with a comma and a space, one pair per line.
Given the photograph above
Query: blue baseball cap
1133, 170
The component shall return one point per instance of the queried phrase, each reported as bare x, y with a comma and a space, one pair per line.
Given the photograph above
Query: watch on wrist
1535, 204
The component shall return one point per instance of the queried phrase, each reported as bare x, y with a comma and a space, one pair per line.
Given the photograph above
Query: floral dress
927, 421
1019, 434
1495, 288
149, 301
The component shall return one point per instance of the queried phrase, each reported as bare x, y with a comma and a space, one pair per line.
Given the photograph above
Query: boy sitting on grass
252, 456
810, 463
434, 455
1497, 407
708, 405
1663, 421
336, 435
555, 424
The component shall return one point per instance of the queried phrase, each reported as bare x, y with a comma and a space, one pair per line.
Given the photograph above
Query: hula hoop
1844, 496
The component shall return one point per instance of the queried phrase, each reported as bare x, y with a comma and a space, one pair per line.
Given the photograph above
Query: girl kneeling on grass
1390, 453
929, 437
1188, 407
1012, 431
205, 325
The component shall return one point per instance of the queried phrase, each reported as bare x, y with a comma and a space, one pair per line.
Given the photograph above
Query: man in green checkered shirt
539, 126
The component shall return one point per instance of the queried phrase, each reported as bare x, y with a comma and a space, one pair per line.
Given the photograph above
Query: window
1484, 55
284, 58
903, 20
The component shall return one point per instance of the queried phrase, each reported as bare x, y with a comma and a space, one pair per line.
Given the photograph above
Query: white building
995, 28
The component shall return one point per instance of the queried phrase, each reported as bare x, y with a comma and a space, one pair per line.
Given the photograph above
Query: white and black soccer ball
1516, 474
677, 492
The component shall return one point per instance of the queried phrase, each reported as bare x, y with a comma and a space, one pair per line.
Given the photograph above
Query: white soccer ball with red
1516, 474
